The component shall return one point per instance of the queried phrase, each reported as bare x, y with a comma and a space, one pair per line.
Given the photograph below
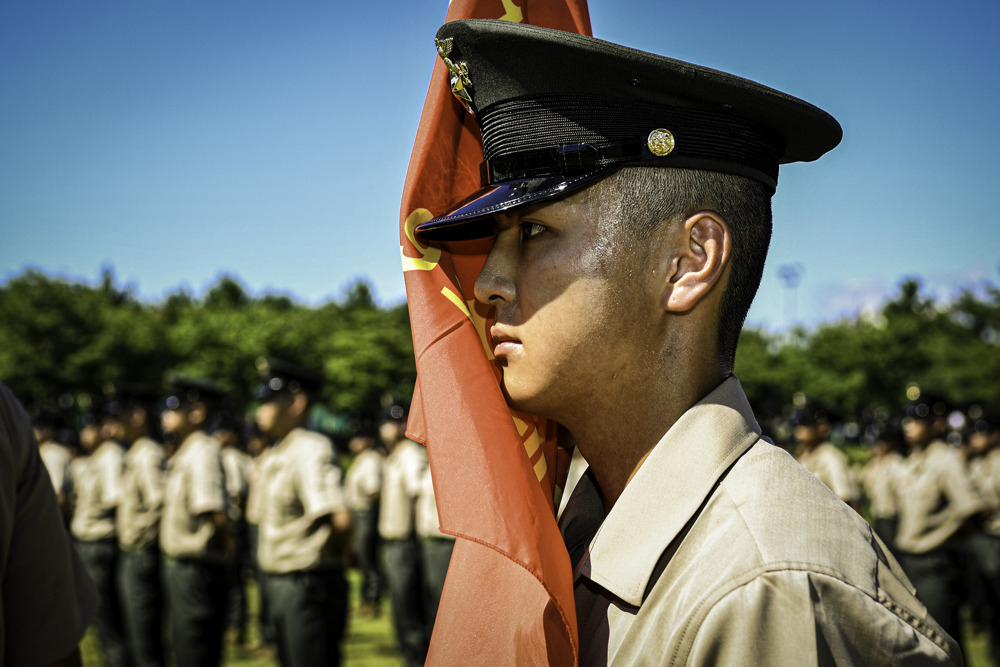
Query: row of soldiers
931, 491
168, 529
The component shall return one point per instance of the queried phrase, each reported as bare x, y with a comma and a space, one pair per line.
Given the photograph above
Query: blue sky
175, 141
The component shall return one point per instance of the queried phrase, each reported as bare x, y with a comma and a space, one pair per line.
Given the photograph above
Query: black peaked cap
558, 110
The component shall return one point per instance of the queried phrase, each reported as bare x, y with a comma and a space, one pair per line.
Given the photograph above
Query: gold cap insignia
660, 142
460, 80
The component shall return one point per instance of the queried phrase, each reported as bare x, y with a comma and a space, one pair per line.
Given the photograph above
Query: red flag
508, 598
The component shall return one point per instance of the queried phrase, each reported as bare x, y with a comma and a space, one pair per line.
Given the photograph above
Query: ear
699, 261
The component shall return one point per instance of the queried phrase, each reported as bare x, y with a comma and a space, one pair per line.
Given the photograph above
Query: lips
504, 343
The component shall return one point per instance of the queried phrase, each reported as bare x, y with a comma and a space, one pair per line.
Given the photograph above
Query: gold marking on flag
541, 468
479, 322
429, 255
513, 12
522, 428
457, 300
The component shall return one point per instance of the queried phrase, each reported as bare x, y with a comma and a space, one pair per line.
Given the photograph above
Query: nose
495, 284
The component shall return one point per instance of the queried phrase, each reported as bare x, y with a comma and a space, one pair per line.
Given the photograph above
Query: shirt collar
668, 489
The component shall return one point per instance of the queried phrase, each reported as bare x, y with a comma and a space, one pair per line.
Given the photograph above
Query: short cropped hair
652, 197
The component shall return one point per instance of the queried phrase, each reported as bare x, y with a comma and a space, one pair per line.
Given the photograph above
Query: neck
619, 429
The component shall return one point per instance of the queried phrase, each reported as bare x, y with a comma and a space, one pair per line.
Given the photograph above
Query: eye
531, 230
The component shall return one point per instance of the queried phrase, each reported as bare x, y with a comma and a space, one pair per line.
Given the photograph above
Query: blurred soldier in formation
984, 545
363, 486
305, 523
97, 476
138, 522
236, 465
194, 531
435, 548
260, 449
935, 499
819, 456
401, 480
56, 456
46, 597
879, 482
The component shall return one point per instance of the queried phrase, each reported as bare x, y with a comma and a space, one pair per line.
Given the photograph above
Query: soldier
819, 456
46, 597
628, 200
402, 474
984, 544
56, 456
236, 465
305, 523
98, 486
363, 486
879, 480
138, 523
194, 531
435, 548
936, 501
260, 448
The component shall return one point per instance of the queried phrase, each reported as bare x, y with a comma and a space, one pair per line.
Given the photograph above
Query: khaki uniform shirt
46, 598
57, 460
236, 465
98, 486
404, 468
935, 497
722, 550
879, 482
985, 473
143, 484
830, 465
255, 472
428, 524
301, 490
364, 479
195, 491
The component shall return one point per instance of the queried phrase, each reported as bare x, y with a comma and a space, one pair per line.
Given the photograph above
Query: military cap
123, 396
283, 377
927, 406
558, 111
812, 412
187, 390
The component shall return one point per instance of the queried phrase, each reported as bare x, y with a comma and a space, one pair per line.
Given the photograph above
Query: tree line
59, 336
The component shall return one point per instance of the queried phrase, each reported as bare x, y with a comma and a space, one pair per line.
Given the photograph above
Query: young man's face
575, 308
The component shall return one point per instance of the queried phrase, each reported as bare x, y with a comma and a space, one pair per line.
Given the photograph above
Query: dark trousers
236, 607
436, 555
984, 585
366, 539
100, 558
309, 615
264, 606
196, 598
141, 588
938, 578
404, 578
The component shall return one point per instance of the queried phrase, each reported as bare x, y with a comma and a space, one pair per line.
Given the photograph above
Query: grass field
370, 641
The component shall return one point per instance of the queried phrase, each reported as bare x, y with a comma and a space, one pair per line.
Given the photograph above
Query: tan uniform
236, 466
195, 490
98, 489
141, 506
935, 497
879, 482
301, 489
401, 477
722, 550
985, 473
46, 598
57, 460
364, 479
255, 497
830, 465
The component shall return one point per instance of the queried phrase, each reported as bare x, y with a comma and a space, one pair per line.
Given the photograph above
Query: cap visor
472, 218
